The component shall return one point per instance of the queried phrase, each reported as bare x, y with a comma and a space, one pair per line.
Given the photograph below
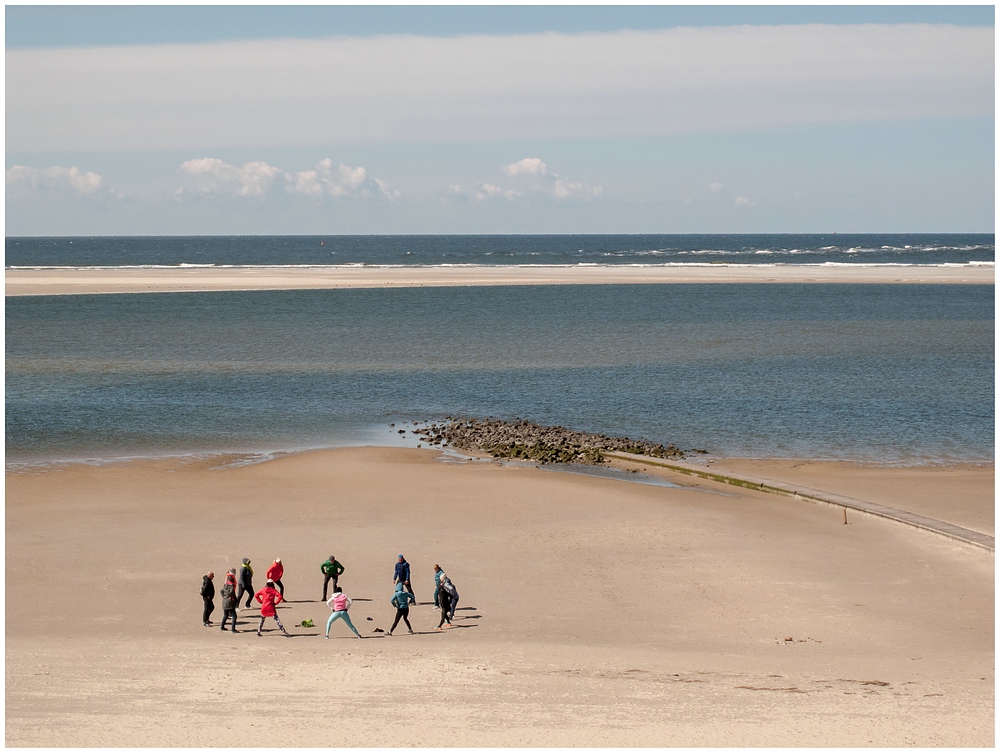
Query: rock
522, 439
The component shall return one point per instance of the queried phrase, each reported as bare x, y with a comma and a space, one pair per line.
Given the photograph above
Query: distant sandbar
63, 281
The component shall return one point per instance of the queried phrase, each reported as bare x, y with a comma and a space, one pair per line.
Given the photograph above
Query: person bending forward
444, 599
449, 588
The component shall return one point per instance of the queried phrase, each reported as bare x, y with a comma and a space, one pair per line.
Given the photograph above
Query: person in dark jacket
246, 584
444, 600
331, 570
228, 594
449, 587
402, 574
208, 596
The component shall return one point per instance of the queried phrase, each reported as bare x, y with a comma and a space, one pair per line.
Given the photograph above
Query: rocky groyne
543, 444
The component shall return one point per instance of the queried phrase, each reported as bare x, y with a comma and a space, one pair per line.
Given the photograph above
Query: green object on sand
308, 623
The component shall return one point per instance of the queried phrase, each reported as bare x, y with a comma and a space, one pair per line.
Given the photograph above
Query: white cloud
479, 87
532, 175
339, 181
210, 176
742, 201
487, 191
527, 166
390, 193
527, 176
22, 180
562, 189
715, 187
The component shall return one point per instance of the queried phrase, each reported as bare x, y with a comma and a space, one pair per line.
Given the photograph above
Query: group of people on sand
240, 582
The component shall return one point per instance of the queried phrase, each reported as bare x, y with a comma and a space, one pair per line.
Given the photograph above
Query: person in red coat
274, 572
269, 598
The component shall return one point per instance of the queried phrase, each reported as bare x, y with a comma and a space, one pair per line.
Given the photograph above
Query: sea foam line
452, 265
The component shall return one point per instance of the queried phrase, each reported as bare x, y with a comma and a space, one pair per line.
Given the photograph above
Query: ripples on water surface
911, 248
875, 372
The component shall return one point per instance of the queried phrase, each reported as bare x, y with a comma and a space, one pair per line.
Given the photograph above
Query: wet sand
110, 280
594, 612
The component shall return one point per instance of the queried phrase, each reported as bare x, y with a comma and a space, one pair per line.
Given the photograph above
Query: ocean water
881, 373
951, 249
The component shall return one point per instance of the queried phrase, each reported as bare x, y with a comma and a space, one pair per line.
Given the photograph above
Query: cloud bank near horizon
472, 88
212, 177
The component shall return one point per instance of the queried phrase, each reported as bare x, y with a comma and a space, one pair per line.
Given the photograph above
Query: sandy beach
593, 612
62, 281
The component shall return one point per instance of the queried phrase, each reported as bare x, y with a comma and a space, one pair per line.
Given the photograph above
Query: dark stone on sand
524, 440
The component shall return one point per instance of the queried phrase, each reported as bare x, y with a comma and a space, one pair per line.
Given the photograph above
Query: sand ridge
64, 281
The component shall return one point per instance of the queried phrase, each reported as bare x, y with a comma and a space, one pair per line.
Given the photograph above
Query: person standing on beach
269, 598
246, 584
208, 597
274, 572
449, 588
444, 600
228, 593
402, 574
438, 572
331, 570
339, 603
401, 600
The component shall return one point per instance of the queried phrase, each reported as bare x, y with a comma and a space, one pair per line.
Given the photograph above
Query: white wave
469, 265
707, 252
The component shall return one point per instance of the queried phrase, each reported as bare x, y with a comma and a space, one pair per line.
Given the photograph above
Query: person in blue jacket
401, 600
402, 574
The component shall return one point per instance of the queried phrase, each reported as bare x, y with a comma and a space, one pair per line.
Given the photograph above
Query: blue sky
360, 119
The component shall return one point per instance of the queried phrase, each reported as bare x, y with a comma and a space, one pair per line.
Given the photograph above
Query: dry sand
110, 280
593, 612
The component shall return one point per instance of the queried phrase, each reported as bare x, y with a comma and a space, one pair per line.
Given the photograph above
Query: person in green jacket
331, 570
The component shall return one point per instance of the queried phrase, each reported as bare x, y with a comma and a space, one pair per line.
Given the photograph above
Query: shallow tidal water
882, 373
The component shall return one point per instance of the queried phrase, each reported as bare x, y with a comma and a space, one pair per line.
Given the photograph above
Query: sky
240, 120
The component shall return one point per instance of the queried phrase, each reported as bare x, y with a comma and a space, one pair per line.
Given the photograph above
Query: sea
884, 374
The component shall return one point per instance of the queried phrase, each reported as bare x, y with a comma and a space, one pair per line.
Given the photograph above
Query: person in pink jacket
269, 598
274, 572
339, 603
